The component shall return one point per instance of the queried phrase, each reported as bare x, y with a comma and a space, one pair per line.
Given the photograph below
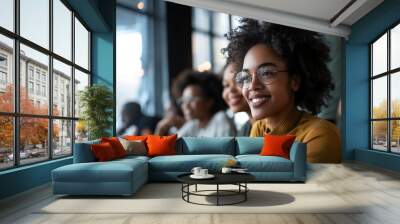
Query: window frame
211, 35
388, 74
16, 115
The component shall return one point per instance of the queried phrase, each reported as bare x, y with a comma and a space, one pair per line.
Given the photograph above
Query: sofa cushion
206, 145
249, 145
111, 171
257, 163
161, 145
103, 152
185, 163
135, 137
277, 145
133, 158
134, 147
116, 145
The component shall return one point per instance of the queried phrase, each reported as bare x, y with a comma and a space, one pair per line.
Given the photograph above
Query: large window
208, 38
141, 56
44, 64
385, 91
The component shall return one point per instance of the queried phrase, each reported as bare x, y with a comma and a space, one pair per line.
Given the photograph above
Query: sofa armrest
83, 152
298, 155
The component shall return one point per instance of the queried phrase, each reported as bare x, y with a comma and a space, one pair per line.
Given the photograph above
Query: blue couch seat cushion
131, 158
184, 163
206, 145
111, 171
257, 163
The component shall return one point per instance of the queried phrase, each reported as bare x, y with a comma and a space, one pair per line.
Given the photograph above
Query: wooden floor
378, 189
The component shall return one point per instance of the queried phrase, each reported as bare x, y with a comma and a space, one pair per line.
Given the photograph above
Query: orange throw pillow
277, 145
116, 145
103, 152
161, 145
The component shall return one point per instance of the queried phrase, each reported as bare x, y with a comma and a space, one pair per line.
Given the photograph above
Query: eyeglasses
188, 99
265, 74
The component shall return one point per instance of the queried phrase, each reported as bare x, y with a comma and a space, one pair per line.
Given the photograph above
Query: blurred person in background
135, 122
199, 95
233, 97
171, 122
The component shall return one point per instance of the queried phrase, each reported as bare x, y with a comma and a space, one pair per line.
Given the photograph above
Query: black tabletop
220, 178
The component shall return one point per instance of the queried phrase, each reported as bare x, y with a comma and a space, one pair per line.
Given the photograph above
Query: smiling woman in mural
285, 80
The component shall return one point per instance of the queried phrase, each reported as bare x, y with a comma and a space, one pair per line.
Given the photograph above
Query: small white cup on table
196, 170
203, 172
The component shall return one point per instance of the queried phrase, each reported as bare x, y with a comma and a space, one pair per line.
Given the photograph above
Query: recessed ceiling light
140, 5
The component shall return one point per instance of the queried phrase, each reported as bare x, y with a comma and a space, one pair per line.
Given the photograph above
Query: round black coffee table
238, 179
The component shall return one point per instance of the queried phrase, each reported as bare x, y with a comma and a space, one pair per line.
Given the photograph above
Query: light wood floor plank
377, 191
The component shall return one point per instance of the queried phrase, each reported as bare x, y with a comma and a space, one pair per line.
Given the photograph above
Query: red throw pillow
103, 152
161, 145
277, 145
116, 145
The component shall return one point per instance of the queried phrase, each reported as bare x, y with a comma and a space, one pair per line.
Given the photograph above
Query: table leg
188, 189
217, 194
245, 191
182, 189
196, 188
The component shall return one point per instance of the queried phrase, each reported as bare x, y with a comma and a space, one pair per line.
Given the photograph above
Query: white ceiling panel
321, 9
326, 16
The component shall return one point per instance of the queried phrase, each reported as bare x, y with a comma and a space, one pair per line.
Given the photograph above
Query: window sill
26, 167
385, 160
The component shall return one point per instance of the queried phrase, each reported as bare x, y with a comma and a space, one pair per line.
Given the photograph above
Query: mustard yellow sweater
322, 137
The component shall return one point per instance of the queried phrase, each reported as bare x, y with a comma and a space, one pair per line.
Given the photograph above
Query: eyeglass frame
241, 85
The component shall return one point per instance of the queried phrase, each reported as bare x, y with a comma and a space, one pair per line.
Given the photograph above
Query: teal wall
356, 101
99, 16
24, 178
103, 52
102, 58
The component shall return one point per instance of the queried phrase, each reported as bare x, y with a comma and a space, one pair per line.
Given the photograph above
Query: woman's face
232, 93
194, 105
270, 92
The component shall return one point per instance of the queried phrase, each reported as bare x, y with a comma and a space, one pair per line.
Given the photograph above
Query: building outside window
30, 87
55, 130
30, 72
3, 78
3, 72
43, 90
38, 89
3, 61
44, 77
37, 75
385, 91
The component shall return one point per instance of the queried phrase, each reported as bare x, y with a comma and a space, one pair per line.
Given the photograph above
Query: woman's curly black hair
305, 53
210, 84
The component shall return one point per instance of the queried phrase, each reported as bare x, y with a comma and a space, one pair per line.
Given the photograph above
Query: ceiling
326, 16
318, 10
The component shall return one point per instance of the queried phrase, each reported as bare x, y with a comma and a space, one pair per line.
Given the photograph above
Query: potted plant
96, 103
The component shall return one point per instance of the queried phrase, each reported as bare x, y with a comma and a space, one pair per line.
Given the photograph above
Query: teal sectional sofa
125, 176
